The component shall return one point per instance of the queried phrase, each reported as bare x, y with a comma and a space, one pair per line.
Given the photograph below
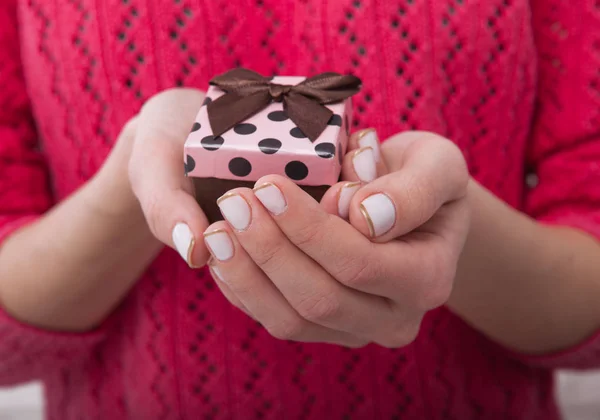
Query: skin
306, 274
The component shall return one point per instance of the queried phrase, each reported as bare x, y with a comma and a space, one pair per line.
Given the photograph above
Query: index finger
330, 241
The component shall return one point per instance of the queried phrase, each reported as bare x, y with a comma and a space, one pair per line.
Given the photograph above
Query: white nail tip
380, 213
220, 244
236, 210
364, 164
346, 194
370, 139
272, 198
183, 240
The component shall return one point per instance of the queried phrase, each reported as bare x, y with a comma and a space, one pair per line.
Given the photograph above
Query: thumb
428, 171
156, 172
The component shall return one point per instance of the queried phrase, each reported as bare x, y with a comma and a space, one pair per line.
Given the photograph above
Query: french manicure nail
380, 213
183, 238
346, 193
364, 164
272, 198
220, 244
368, 138
236, 210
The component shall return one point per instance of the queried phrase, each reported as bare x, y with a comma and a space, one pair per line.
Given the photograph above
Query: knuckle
269, 252
420, 199
312, 233
319, 309
437, 285
288, 330
307, 235
357, 272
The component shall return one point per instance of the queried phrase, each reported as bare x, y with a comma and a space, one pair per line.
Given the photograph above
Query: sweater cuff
31, 353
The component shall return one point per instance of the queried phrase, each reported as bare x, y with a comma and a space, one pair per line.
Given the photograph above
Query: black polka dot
207, 100
278, 116
211, 143
245, 128
296, 132
196, 127
347, 125
325, 150
269, 146
335, 120
296, 170
190, 164
340, 153
240, 166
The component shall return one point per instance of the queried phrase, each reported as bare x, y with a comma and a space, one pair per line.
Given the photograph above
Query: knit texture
515, 84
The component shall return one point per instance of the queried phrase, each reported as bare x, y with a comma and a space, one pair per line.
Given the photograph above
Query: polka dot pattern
297, 133
190, 164
296, 170
269, 146
207, 101
335, 120
240, 167
212, 143
244, 129
278, 116
269, 142
325, 150
197, 126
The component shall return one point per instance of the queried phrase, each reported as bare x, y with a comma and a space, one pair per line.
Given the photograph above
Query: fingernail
345, 196
219, 243
272, 198
380, 212
368, 138
236, 210
183, 238
364, 164
217, 273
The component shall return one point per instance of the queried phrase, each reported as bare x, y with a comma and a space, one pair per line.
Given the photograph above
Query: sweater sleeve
26, 352
564, 152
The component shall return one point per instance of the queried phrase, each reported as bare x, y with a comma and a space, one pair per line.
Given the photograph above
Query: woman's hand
308, 275
156, 173
100, 238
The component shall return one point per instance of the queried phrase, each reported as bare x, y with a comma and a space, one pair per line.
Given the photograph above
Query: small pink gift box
268, 142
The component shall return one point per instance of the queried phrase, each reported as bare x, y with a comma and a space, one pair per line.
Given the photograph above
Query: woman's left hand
308, 275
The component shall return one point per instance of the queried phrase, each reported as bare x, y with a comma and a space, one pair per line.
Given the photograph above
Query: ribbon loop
247, 92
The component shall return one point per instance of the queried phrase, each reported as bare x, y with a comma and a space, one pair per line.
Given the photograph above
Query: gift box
250, 126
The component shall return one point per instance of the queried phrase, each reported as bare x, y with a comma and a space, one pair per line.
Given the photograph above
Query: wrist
110, 196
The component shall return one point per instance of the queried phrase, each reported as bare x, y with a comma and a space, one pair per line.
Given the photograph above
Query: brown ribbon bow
247, 93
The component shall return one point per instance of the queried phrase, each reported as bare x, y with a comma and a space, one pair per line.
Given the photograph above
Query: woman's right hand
156, 173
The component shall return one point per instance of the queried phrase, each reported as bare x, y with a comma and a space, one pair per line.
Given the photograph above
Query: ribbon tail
230, 109
310, 116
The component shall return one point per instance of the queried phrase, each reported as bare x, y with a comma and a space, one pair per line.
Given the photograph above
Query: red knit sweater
73, 71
